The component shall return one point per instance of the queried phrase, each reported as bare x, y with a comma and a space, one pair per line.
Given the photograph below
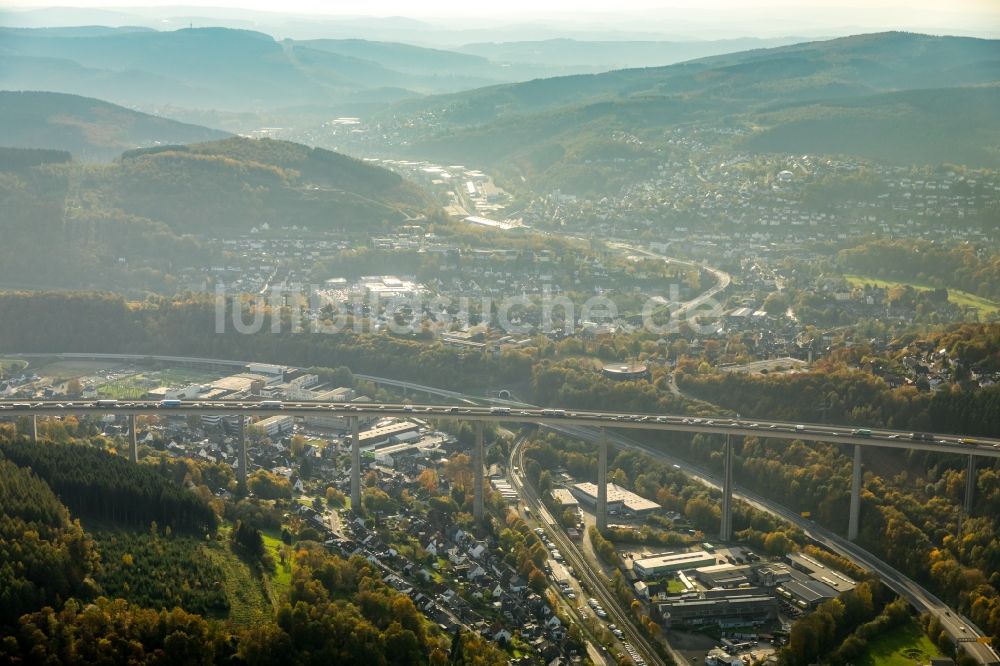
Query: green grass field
122, 390
281, 578
247, 599
182, 376
961, 298
134, 387
675, 586
11, 365
905, 646
63, 370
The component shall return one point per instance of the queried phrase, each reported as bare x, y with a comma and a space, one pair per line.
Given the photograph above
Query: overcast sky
472, 7
647, 19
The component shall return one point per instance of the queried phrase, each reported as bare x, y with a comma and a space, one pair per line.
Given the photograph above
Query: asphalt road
957, 444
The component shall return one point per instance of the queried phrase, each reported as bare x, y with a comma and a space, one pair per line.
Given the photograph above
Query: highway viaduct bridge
972, 448
519, 412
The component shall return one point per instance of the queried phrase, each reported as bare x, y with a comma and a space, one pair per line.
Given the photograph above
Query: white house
501, 635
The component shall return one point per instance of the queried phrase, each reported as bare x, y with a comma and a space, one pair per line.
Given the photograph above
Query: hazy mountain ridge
88, 128
613, 54
746, 90
872, 63
232, 69
199, 68
243, 69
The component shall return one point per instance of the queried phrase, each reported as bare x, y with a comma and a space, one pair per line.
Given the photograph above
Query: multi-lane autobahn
977, 446
588, 424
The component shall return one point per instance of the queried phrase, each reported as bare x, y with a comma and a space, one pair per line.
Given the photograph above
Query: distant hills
606, 55
843, 67
132, 223
832, 96
90, 129
235, 70
957, 125
246, 70
200, 68
238, 183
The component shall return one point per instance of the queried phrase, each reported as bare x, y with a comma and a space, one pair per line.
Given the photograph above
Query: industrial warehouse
620, 500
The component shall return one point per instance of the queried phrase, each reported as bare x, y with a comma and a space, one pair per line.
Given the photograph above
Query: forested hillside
65, 600
955, 125
90, 129
44, 556
947, 266
101, 322
236, 184
97, 485
132, 223
828, 97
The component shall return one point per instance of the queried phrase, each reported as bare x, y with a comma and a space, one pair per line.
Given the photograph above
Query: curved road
722, 278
